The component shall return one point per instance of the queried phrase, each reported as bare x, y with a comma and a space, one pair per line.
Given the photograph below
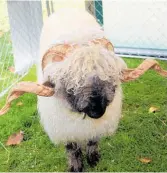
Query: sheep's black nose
95, 114
97, 107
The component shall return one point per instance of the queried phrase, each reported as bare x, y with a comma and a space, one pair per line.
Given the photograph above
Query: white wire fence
136, 29
7, 77
20, 27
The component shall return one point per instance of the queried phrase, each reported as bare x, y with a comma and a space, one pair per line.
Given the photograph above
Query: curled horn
132, 74
26, 87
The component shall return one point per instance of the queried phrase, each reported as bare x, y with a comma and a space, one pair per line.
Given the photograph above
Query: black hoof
75, 168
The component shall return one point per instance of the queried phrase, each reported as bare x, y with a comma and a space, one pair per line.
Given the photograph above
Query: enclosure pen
83, 86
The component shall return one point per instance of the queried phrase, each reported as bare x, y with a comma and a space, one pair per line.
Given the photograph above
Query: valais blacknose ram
88, 97
80, 77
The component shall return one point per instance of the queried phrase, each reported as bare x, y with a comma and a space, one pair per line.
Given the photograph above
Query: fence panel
19, 41
136, 28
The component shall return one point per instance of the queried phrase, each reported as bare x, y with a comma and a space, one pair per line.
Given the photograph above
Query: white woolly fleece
60, 123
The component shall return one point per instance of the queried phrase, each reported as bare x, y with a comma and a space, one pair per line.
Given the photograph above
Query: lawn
140, 134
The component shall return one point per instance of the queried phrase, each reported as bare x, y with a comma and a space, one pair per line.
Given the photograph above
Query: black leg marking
74, 157
92, 152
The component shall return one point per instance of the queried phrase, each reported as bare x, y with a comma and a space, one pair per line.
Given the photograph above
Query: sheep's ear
132, 74
49, 84
26, 87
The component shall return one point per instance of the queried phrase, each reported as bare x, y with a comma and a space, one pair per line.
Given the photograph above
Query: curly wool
82, 64
76, 72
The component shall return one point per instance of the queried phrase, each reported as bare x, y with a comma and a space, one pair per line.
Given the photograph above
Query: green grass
6, 57
140, 134
6, 61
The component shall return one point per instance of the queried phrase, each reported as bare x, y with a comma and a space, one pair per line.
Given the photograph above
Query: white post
26, 21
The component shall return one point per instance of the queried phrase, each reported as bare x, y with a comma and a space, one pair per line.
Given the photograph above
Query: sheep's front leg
74, 157
92, 152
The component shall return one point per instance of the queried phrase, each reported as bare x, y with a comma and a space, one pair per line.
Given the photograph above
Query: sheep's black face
92, 100
97, 105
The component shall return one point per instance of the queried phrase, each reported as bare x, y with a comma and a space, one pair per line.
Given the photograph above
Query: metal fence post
48, 7
96, 9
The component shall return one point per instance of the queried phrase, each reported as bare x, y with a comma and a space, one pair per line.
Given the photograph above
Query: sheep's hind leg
74, 157
92, 152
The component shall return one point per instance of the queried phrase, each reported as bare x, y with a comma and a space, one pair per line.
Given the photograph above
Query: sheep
81, 77
86, 82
